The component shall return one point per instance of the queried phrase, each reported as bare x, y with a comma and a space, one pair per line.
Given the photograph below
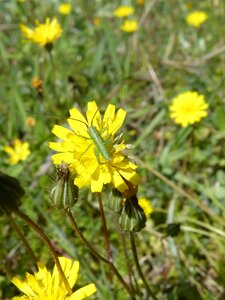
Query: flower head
146, 206
19, 151
196, 18
43, 34
65, 8
46, 286
188, 108
123, 11
91, 150
129, 26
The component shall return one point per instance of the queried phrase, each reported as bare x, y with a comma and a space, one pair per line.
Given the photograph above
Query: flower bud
64, 193
115, 200
132, 216
11, 194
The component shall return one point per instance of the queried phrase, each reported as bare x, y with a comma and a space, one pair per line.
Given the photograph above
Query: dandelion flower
123, 11
91, 150
129, 26
196, 18
188, 108
65, 8
44, 34
146, 206
19, 151
46, 286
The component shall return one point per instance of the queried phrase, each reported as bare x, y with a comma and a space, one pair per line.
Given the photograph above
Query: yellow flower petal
19, 152
46, 286
44, 33
188, 108
123, 11
92, 153
196, 18
93, 115
84, 292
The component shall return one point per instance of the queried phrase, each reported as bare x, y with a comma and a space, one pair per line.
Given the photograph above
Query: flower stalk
105, 230
96, 254
47, 241
134, 251
23, 239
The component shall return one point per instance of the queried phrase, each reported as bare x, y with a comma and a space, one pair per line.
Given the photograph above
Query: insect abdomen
99, 142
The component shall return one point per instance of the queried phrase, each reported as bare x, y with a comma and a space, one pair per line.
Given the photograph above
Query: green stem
23, 239
47, 241
127, 259
134, 250
96, 254
105, 230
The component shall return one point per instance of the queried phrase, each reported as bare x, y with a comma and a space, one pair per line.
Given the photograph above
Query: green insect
102, 146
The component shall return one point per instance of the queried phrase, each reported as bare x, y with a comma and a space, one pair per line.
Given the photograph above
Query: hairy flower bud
115, 200
132, 216
64, 193
11, 193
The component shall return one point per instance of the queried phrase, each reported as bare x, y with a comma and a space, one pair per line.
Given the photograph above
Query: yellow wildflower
123, 11
46, 286
91, 151
129, 26
146, 206
65, 8
196, 18
20, 151
43, 34
188, 108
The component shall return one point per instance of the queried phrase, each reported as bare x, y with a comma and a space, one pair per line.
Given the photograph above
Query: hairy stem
105, 230
24, 240
47, 241
96, 254
134, 250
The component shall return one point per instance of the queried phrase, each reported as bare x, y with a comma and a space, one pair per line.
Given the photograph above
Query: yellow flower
188, 108
20, 151
64, 8
46, 286
196, 18
129, 26
91, 150
43, 34
123, 11
146, 206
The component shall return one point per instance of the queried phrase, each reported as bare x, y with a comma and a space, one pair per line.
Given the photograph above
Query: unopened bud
115, 200
64, 193
132, 216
